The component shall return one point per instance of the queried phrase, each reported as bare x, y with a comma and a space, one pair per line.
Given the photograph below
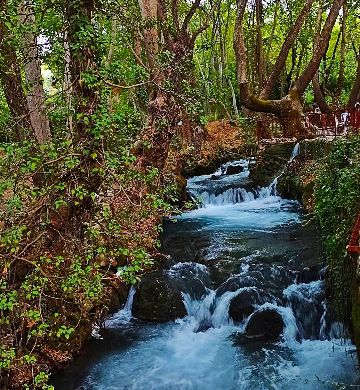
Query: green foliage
337, 199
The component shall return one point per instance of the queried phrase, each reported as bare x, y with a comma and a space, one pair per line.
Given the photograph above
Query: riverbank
325, 178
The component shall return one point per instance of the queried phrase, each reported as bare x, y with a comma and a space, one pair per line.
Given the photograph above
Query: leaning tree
289, 108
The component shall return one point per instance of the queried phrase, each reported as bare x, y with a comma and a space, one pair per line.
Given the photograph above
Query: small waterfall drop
124, 315
273, 185
237, 194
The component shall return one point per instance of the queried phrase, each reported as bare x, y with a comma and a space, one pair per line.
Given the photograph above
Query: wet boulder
308, 275
234, 169
245, 303
215, 177
156, 300
234, 283
159, 298
264, 325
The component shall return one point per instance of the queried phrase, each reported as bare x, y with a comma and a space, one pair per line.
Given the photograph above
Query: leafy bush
337, 202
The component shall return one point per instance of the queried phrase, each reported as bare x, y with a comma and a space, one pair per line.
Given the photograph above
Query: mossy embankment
326, 179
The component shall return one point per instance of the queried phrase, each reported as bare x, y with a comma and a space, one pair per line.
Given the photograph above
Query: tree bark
149, 13
285, 49
355, 91
319, 96
11, 80
36, 95
341, 78
289, 109
305, 78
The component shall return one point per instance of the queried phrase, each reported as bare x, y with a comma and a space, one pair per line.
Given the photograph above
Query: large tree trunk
321, 47
319, 96
149, 13
82, 61
11, 80
355, 91
36, 95
289, 109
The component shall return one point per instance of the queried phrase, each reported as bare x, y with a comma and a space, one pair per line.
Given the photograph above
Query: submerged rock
264, 325
308, 275
159, 298
234, 169
245, 303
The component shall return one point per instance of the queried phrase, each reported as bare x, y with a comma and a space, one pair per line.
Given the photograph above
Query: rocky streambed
239, 304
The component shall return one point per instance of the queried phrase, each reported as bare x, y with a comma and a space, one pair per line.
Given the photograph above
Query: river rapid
260, 318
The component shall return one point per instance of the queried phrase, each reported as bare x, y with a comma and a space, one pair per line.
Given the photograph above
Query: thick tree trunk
308, 74
289, 109
319, 96
82, 61
355, 91
11, 81
149, 13
36, 95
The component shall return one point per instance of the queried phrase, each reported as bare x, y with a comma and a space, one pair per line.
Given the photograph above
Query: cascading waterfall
235, 194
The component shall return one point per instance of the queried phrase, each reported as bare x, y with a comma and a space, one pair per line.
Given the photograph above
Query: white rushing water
199, 351
233, 195
123, 316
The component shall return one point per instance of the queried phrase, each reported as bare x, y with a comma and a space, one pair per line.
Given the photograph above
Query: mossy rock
270, 163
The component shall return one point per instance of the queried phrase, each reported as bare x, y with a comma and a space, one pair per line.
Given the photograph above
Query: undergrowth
78, 223
337, 204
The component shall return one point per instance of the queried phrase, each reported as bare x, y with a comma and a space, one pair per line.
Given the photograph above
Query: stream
245, 272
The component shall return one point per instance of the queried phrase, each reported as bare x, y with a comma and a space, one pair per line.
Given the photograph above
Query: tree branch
308, 74
285, 49
190, 14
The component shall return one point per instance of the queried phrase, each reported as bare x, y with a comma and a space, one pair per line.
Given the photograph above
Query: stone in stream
244, 304
158, 298
234, 169
308, 274
264, 325
215, 177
